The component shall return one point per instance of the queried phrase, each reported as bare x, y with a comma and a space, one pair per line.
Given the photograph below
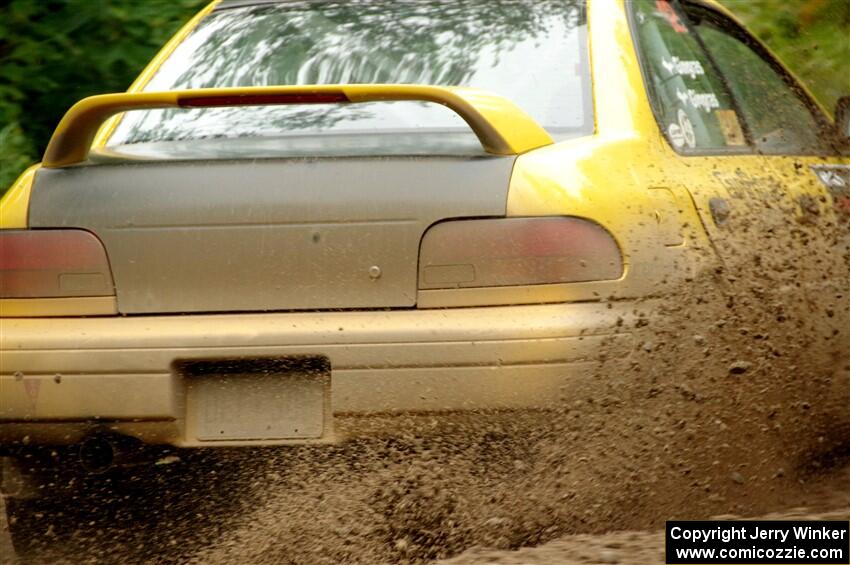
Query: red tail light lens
53, 264
517, 251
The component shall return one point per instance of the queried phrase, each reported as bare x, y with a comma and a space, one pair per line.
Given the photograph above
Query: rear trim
393, 363
14, 206
502, 127
58, 307
230, 4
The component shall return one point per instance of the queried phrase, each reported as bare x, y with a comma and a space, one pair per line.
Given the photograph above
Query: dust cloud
733, 399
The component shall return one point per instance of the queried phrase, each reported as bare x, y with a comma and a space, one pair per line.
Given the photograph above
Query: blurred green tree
54, 52
811, 36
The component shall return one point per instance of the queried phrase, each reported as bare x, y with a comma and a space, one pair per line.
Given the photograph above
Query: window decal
682, 133
678, 67
671, 16
730, 126
706, 101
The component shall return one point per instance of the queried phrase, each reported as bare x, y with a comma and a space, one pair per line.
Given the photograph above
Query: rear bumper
61, 379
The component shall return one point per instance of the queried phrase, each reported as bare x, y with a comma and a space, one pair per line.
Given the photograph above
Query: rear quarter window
715, 90
694, 108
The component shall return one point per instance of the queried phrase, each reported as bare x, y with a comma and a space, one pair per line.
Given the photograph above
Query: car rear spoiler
501, 126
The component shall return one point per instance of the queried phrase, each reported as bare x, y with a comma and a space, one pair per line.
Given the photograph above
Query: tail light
53, 264
517, 251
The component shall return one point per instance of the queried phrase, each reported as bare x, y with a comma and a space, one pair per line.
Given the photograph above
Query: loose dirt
633, 548
828, 498
733, 399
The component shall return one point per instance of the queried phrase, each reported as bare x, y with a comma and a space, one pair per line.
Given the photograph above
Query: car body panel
761, 194
381, 362
615, 176
276, 235
14, 206
58, 307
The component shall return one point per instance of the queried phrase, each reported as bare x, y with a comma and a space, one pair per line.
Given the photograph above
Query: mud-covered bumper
63, 379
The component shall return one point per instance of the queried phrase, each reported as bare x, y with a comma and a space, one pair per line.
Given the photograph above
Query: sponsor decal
674, 130
706, 101
682, 132
730, 127
669, 13
676, 66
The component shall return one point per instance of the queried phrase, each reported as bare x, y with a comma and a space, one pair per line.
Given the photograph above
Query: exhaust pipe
101, 451
98, 454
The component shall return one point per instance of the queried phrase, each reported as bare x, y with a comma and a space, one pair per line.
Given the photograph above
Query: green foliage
16, 153
54, 52
811, 36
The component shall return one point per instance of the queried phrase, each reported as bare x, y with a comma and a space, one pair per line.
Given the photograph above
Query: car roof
225, 4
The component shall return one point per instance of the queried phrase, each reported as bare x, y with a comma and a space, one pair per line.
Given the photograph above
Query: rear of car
275, 273
234, 266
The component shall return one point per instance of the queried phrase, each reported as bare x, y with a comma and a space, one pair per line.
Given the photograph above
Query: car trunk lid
277, 234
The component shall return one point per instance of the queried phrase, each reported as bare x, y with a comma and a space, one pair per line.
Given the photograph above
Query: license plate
271, 405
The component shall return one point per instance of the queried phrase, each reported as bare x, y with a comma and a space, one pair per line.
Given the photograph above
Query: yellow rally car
304, 218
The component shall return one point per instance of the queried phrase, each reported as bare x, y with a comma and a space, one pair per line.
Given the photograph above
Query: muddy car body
210, 281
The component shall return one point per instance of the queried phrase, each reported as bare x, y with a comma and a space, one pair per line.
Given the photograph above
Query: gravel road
7, 554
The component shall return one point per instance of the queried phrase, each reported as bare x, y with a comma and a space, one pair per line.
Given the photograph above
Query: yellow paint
611, 177
501, 126
15, 203
148, 73
58, 307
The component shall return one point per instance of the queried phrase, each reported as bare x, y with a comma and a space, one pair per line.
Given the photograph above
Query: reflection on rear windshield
533, 53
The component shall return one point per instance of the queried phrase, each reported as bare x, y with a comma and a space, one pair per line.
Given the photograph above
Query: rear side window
715, 91
779, 120
694, 108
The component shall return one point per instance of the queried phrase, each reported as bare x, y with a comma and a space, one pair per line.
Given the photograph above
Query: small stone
739, 367
496, 521
737, 478
168, 460
402, 544
609, 556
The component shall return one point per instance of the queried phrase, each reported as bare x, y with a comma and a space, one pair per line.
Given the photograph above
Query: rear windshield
530, 51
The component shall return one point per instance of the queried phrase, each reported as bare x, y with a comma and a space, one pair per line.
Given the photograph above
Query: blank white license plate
260, 406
